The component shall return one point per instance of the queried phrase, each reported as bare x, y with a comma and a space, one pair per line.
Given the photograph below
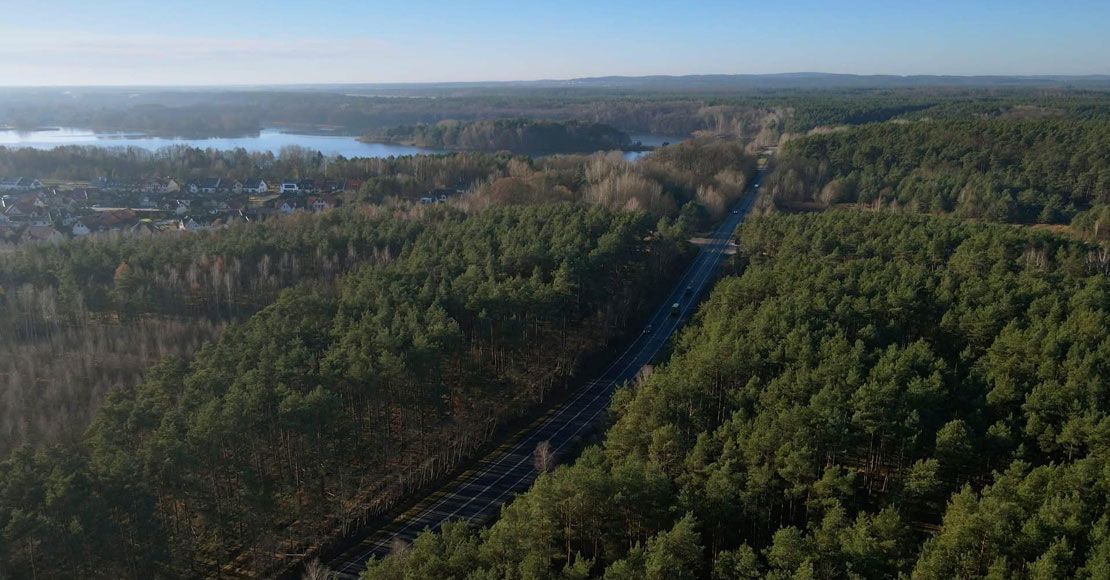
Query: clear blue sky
76, 42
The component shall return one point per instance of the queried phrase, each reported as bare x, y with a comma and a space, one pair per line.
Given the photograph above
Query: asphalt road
477, 494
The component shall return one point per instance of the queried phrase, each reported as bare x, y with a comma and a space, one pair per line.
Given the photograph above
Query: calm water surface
651, 140
272, 140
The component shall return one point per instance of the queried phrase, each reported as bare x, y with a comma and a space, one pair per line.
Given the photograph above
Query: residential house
66, 217
105, 184
144, 227
111, 220
207, 185
236, 217
163, 186
210, 185
189, 224
440, 195
36, 233
329, 186
19, 184
24, 210
80, 197
321, 202
80, 229
255, 186
41, 219
168, 185
288, 186
306, 186
163, 225
62, 202
289, 206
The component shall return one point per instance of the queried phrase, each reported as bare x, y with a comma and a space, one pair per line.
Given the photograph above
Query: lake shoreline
275, 140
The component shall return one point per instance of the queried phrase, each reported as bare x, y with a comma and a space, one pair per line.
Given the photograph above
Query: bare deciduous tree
544, 457
317, 571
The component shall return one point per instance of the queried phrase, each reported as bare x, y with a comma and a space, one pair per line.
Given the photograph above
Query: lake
272, 140
651, 141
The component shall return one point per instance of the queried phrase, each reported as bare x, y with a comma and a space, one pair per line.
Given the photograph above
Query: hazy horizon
253, 43
540, 81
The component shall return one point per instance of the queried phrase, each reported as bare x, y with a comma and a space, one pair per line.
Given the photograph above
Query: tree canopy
1019, 171
332, 396
876, 395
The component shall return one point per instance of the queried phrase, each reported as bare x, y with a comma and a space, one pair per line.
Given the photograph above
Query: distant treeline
516, 135
1009, 170
743, 113
813, 109
155, 120
135, 164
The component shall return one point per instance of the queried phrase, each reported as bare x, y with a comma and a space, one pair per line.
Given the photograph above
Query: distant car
689, 289
757, 186
735, 211
648, 329
675, 309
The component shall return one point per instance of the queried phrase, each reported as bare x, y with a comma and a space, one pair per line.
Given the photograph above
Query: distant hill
739, 82
808, 80
708, 82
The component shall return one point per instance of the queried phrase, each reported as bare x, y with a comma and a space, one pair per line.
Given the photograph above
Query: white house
167, 185
290, 187
188, 224
210, 185
19, 184
290, 206
256, 186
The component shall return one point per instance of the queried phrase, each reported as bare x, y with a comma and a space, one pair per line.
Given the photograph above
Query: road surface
477, 494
